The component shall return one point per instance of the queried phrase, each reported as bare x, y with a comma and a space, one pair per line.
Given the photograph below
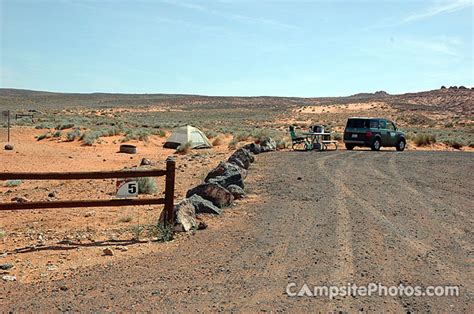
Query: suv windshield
357, 123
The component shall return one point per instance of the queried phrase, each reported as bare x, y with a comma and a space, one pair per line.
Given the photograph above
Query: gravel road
320, 218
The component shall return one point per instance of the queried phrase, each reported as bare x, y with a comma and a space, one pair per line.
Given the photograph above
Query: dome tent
184, 134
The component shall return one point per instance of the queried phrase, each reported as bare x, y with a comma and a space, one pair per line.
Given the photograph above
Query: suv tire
401, 145
376, 145
349, 146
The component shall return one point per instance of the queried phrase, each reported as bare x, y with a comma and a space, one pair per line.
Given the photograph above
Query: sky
240, 48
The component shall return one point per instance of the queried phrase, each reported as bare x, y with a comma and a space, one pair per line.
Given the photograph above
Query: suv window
374, 124
390, 126
383, 124
357, 123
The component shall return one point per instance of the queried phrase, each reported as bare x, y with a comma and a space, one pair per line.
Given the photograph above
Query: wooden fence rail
168, 200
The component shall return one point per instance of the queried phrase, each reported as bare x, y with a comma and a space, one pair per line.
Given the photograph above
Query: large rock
185, 216
213, 192
253, 148
8, 147
242, 157
268, 145
236, 191
226, 174
203, 206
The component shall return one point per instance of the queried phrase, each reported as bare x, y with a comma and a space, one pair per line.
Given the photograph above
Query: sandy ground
49, 243
346, 108
321, 219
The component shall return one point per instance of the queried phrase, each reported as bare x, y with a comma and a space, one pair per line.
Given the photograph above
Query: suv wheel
401, 145
349, 146
376, 144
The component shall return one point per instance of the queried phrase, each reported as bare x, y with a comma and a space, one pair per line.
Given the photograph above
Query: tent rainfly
185, 134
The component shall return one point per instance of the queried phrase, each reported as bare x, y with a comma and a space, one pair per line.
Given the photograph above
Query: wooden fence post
169, 190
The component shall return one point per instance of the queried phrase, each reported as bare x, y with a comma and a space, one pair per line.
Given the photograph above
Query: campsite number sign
127, 188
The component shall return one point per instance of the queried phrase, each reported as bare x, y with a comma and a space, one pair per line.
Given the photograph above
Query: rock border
222, 186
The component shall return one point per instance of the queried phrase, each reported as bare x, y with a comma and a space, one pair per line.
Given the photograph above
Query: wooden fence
167, 201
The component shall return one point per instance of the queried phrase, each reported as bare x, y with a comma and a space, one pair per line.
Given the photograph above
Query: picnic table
320, 140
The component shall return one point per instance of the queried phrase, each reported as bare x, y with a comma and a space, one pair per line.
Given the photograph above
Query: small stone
108, 252
299, 178
145, 162
89, 213
202, 225
20, 199
9, 278
52, 194
51, 267
9, 147
122, 248
6, 266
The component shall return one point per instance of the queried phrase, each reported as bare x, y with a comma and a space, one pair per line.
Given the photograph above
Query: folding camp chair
298, 140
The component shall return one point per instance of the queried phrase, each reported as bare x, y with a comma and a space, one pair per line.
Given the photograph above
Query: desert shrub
161, 232
147, 185
211, 134
112, 131
471, 144
218, 141
125, 219
281, 143
455, 143
232, 144
160, 133
337, 136
13, 183
57, 134
3, 234
184, 149
136, 134
410, 136
137, 232
43, 136
90, 137
64, 125
72, 135
44, 125
424, 139
241, 136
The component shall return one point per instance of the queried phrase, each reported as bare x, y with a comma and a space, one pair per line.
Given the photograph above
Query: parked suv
373, 133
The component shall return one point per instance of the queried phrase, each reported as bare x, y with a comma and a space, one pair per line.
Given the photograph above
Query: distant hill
455, 99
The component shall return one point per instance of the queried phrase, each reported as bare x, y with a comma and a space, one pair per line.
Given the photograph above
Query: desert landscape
324, 216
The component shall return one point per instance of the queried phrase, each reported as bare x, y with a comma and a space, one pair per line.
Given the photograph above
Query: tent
185, 134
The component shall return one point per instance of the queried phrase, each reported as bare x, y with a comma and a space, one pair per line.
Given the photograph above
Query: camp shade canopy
182, 135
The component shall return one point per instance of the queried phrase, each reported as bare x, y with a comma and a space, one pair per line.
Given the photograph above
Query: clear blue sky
281, 48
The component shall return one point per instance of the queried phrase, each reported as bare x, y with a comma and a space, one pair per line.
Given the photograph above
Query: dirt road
322, 219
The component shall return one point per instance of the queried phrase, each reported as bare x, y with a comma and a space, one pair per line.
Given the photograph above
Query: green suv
373, 133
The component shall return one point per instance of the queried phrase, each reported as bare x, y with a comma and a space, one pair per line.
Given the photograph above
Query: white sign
127, 188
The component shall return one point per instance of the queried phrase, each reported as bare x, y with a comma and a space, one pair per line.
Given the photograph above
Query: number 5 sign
127, 188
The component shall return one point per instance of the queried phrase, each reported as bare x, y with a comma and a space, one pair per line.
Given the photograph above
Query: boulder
185, 216
203, 206
242, 157
8, 147
236, 161
268, 145
253, 148
226, 174
236, 191
213, 192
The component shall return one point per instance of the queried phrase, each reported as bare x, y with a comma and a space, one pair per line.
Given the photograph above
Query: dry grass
218, 141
